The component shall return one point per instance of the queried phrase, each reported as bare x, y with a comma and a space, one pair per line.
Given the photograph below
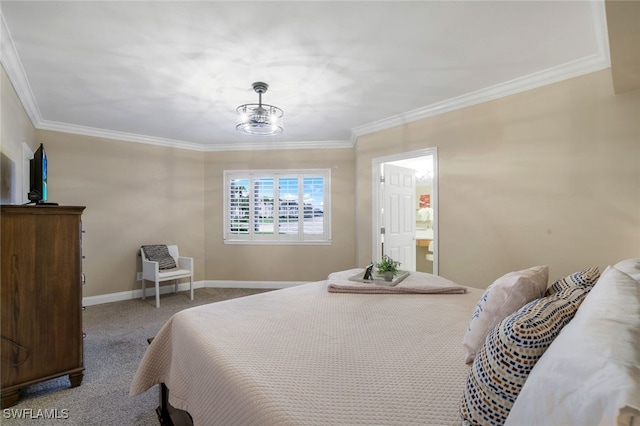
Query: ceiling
172, 72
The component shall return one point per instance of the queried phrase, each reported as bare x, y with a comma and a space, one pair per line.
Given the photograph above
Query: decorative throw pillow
506, 295
509, 353
573, 295
584, 278
591, 373
159, 253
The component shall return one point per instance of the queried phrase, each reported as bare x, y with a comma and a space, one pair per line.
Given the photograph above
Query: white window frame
276, 238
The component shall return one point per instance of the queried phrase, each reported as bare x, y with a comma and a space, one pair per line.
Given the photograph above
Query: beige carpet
116, 338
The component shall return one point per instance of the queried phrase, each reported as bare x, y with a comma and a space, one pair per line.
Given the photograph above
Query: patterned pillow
573, 295
159, 253
509, 353
590, 372
506, 295
584, 278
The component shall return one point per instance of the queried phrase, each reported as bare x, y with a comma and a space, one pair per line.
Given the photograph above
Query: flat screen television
38, 176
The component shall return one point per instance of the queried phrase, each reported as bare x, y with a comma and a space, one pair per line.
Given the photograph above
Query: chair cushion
174, 273
159, 253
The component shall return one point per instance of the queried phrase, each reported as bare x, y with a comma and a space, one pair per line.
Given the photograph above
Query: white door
399, 215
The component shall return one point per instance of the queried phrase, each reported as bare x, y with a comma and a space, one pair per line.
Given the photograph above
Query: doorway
421, 217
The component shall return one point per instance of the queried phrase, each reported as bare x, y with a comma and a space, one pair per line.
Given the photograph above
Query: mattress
302, 355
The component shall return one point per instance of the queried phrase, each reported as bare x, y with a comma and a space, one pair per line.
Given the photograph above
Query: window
277, 206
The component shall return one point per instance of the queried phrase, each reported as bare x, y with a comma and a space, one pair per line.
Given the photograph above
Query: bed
305, 355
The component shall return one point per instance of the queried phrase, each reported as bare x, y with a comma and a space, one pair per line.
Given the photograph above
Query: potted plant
387, 267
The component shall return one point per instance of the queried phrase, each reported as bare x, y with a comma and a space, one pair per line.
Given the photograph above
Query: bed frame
168, 415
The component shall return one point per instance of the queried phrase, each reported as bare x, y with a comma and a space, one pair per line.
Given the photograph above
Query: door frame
376, 199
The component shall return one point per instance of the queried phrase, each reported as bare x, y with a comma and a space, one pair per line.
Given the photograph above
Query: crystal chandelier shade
259, 119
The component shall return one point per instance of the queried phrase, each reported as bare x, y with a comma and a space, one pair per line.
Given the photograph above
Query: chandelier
259, 119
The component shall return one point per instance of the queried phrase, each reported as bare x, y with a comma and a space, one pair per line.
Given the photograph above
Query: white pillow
590, 375
630, 267
506, 295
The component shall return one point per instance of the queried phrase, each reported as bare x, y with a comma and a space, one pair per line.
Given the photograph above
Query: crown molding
13, 67
573, 69
586, 65
115, 135
174, 143
601, 60
261, 145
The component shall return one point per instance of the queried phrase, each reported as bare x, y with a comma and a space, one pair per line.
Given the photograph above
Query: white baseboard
168, 288
252, 284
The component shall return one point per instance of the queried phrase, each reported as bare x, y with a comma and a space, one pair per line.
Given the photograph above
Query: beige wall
135, 194
15, 129
139, 194
275, 262
550, 176
623, 26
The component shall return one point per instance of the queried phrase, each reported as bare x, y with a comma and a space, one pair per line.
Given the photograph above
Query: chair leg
144, 290
176, 288
157, 294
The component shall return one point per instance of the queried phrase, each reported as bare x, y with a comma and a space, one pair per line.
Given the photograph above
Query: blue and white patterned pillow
503, 297
573, 295
509, 353
584, 278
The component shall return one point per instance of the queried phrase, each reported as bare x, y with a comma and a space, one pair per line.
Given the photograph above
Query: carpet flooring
116, 339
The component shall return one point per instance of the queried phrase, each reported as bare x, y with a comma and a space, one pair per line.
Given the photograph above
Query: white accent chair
151, 272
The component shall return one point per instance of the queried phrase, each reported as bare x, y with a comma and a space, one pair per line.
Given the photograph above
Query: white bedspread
303, 356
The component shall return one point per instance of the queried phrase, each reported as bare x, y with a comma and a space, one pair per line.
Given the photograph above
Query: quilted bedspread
305, 356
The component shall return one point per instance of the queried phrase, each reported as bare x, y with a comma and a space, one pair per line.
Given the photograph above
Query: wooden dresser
41, 298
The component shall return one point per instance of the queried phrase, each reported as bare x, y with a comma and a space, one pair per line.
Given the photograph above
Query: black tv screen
38, 176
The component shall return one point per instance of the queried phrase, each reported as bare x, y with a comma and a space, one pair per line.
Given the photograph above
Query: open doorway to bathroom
409, 228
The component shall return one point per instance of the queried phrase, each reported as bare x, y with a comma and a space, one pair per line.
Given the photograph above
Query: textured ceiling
172, 73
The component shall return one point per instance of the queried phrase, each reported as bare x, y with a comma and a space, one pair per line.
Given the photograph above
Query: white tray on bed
379, 279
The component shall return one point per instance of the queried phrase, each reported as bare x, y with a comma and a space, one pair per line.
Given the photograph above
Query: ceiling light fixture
259, 119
